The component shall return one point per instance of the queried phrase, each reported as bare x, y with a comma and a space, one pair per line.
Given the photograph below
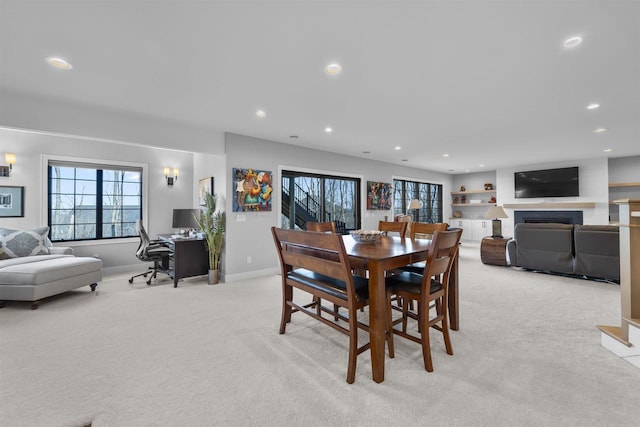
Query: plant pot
213, 277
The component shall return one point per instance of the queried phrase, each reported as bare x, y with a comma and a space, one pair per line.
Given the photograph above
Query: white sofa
31, 269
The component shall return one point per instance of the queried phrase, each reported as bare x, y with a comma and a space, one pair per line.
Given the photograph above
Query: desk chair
151, 251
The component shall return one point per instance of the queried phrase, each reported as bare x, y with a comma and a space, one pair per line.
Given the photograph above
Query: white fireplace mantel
545, 205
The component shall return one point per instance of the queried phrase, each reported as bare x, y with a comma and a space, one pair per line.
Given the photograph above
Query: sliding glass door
315, 197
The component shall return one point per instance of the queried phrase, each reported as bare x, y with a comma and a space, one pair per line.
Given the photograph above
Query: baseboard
250, 275
132, 268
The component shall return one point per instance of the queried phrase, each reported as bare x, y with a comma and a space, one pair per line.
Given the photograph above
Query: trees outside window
430, 195
93, 202
316, 197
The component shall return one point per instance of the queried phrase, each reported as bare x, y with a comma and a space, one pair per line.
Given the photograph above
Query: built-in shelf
550, 205
624, 184
473, 192
473, 204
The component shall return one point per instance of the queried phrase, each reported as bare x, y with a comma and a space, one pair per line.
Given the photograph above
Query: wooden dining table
389, 253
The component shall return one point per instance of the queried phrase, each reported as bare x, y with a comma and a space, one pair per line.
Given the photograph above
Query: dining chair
405, 218
317, 263
324, 227
423, 230
393, 227
430, 286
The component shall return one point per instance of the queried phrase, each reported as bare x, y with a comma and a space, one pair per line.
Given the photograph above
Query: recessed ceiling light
333, 69
572, 42
467, 170
445, 155
405, 160
593, 106
397, 148
293, 136
607, 150
328, 129
481, 165
451, 170
260, 113
366, 152
58, 63
600, 130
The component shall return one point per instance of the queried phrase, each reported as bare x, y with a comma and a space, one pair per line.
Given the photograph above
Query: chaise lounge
31, 269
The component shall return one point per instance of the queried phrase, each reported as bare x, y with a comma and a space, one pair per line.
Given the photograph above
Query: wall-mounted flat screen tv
562, 182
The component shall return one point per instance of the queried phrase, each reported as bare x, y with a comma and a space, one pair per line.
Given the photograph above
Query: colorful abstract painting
379, 195
252, 190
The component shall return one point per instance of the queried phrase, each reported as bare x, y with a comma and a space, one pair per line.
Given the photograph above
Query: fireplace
558, 217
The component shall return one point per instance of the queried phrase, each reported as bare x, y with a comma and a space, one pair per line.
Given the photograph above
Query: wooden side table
493, 250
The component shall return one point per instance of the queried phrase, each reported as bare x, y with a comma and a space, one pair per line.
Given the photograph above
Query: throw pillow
18, 243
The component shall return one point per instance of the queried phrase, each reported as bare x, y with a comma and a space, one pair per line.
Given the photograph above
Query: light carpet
527, 353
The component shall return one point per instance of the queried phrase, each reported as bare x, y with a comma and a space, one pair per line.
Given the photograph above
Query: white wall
627, 170
29, 148
210, 165
248, 233
593, 177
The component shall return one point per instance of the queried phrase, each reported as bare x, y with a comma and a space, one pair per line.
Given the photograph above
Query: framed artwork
11, 202
205, 185
252, 189
379, 196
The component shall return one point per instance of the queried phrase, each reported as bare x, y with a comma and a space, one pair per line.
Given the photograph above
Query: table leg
377, 320
453, 298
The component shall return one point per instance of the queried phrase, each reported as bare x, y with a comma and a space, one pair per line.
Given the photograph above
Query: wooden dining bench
317, 263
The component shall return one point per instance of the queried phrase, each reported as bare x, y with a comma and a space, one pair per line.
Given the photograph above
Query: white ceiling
487, 82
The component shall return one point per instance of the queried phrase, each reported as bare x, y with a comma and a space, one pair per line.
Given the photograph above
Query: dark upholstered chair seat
330, 285
410, 282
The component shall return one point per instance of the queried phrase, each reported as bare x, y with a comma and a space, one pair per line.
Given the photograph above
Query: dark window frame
288, 173
429, 194
99, 205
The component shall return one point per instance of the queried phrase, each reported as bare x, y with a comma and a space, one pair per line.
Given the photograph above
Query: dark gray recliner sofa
583, 250
597, 251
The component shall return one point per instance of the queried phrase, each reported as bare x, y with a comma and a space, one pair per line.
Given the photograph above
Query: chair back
321, 227
394, 227
405, 218
321, 253
442, 253
425, 230
145, 242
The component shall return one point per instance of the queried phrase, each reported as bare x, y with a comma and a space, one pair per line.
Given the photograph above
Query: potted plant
211, 223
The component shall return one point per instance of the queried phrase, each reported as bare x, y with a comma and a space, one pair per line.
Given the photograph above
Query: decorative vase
213, 277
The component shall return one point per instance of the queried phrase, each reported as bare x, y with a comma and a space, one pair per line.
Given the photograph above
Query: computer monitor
184, 218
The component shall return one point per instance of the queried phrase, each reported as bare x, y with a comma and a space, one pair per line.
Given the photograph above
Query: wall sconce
171, 179
10, 159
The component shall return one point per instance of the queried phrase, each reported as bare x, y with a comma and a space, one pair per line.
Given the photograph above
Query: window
320, 198
429, 194
92, 201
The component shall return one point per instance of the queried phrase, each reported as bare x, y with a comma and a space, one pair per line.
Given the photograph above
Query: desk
190, 257
386, 254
